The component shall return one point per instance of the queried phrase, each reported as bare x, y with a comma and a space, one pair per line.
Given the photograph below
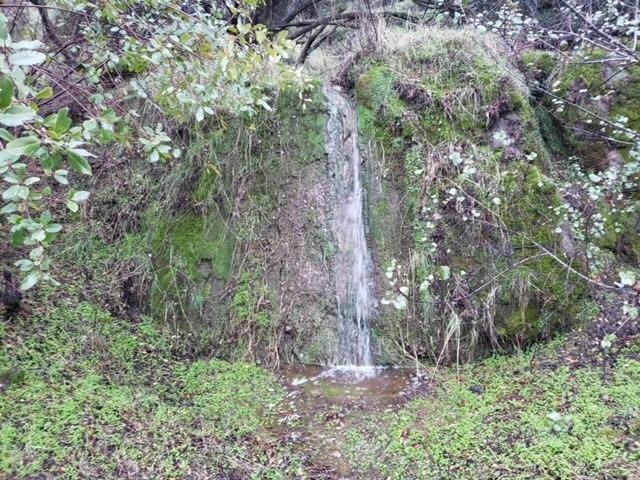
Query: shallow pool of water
323, 404
365, 387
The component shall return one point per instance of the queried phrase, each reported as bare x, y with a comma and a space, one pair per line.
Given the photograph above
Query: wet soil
321, 406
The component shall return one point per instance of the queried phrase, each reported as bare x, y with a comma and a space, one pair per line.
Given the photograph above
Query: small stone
477, 389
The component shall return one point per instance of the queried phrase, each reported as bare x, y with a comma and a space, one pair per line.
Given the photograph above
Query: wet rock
477, 389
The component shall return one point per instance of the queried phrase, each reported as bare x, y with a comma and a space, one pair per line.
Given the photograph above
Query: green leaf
6, 135
73, 206
45, 94
18, 147
61, 177
50, 162
17, 115
4, 31
17, 238
80, 196
15, 192
23, 146
63, 121
79, 163
6, 92
30, 281
39, 235
627, 278
27, 57
27, 45
8, 208
31, 180
82, 152
24, 265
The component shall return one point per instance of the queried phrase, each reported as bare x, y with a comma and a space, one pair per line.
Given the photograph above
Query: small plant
607, 342
561, 423
502, 139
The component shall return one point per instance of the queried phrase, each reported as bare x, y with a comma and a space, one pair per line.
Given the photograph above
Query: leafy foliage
155, 55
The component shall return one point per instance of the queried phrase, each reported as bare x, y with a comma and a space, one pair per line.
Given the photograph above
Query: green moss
301, 124
587, 71
77, 410
622, 235
626, 102
376, 89
372, 129
196, 239
225, 394
528, 196
505, 431
207, 182
321, 346
190, 251
551, 132
466, 90
190, 240
538, 64
379, 221
536, 297
94, 252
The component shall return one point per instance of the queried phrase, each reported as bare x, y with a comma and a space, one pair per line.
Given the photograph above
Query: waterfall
352, 257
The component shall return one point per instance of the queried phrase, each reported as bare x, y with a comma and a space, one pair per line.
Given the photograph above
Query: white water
352, 258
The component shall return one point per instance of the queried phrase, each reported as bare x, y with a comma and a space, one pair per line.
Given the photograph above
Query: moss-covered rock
626, 102
192, 256
464, 165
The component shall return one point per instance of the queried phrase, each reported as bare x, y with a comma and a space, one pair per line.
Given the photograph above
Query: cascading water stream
352, 257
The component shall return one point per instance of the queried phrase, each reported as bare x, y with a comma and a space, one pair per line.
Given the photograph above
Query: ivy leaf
27, 57
17, 115
6, 92
79, 163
